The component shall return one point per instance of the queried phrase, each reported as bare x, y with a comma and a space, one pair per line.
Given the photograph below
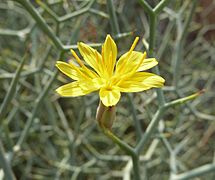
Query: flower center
108, 88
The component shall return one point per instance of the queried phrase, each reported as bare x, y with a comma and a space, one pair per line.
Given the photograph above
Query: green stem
41, 22
12, 89
38, 103
77, 13
152, 36
124, 146
187, 22
146, 7
8, 173
179, 45
153, 13
113, 17
128, 150
156, 118
136, 121
99, 13
184, 99
136, 167
30, 120
48, 10
160, 6
195, 172
150, 129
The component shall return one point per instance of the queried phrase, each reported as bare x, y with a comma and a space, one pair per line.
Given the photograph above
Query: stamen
78, 69
134, 44
77, 58
123, 78
129, 53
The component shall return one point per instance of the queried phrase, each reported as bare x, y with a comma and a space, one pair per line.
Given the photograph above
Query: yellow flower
104, 73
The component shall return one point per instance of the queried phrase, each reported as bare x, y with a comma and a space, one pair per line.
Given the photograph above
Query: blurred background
45, 136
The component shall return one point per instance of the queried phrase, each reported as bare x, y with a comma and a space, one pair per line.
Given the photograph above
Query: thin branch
160, 6
41, 22
146, 7
195, 172
5, 165
12, 89
150, 129
113, 17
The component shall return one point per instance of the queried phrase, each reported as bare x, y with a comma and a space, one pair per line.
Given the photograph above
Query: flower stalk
127, 149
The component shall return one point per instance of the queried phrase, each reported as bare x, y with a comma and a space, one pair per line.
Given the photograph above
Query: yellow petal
126, 63
109, 54
91, 56
109, 97
141, 81
76, 73
148, 64
68, 69
75, 89
88, 73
